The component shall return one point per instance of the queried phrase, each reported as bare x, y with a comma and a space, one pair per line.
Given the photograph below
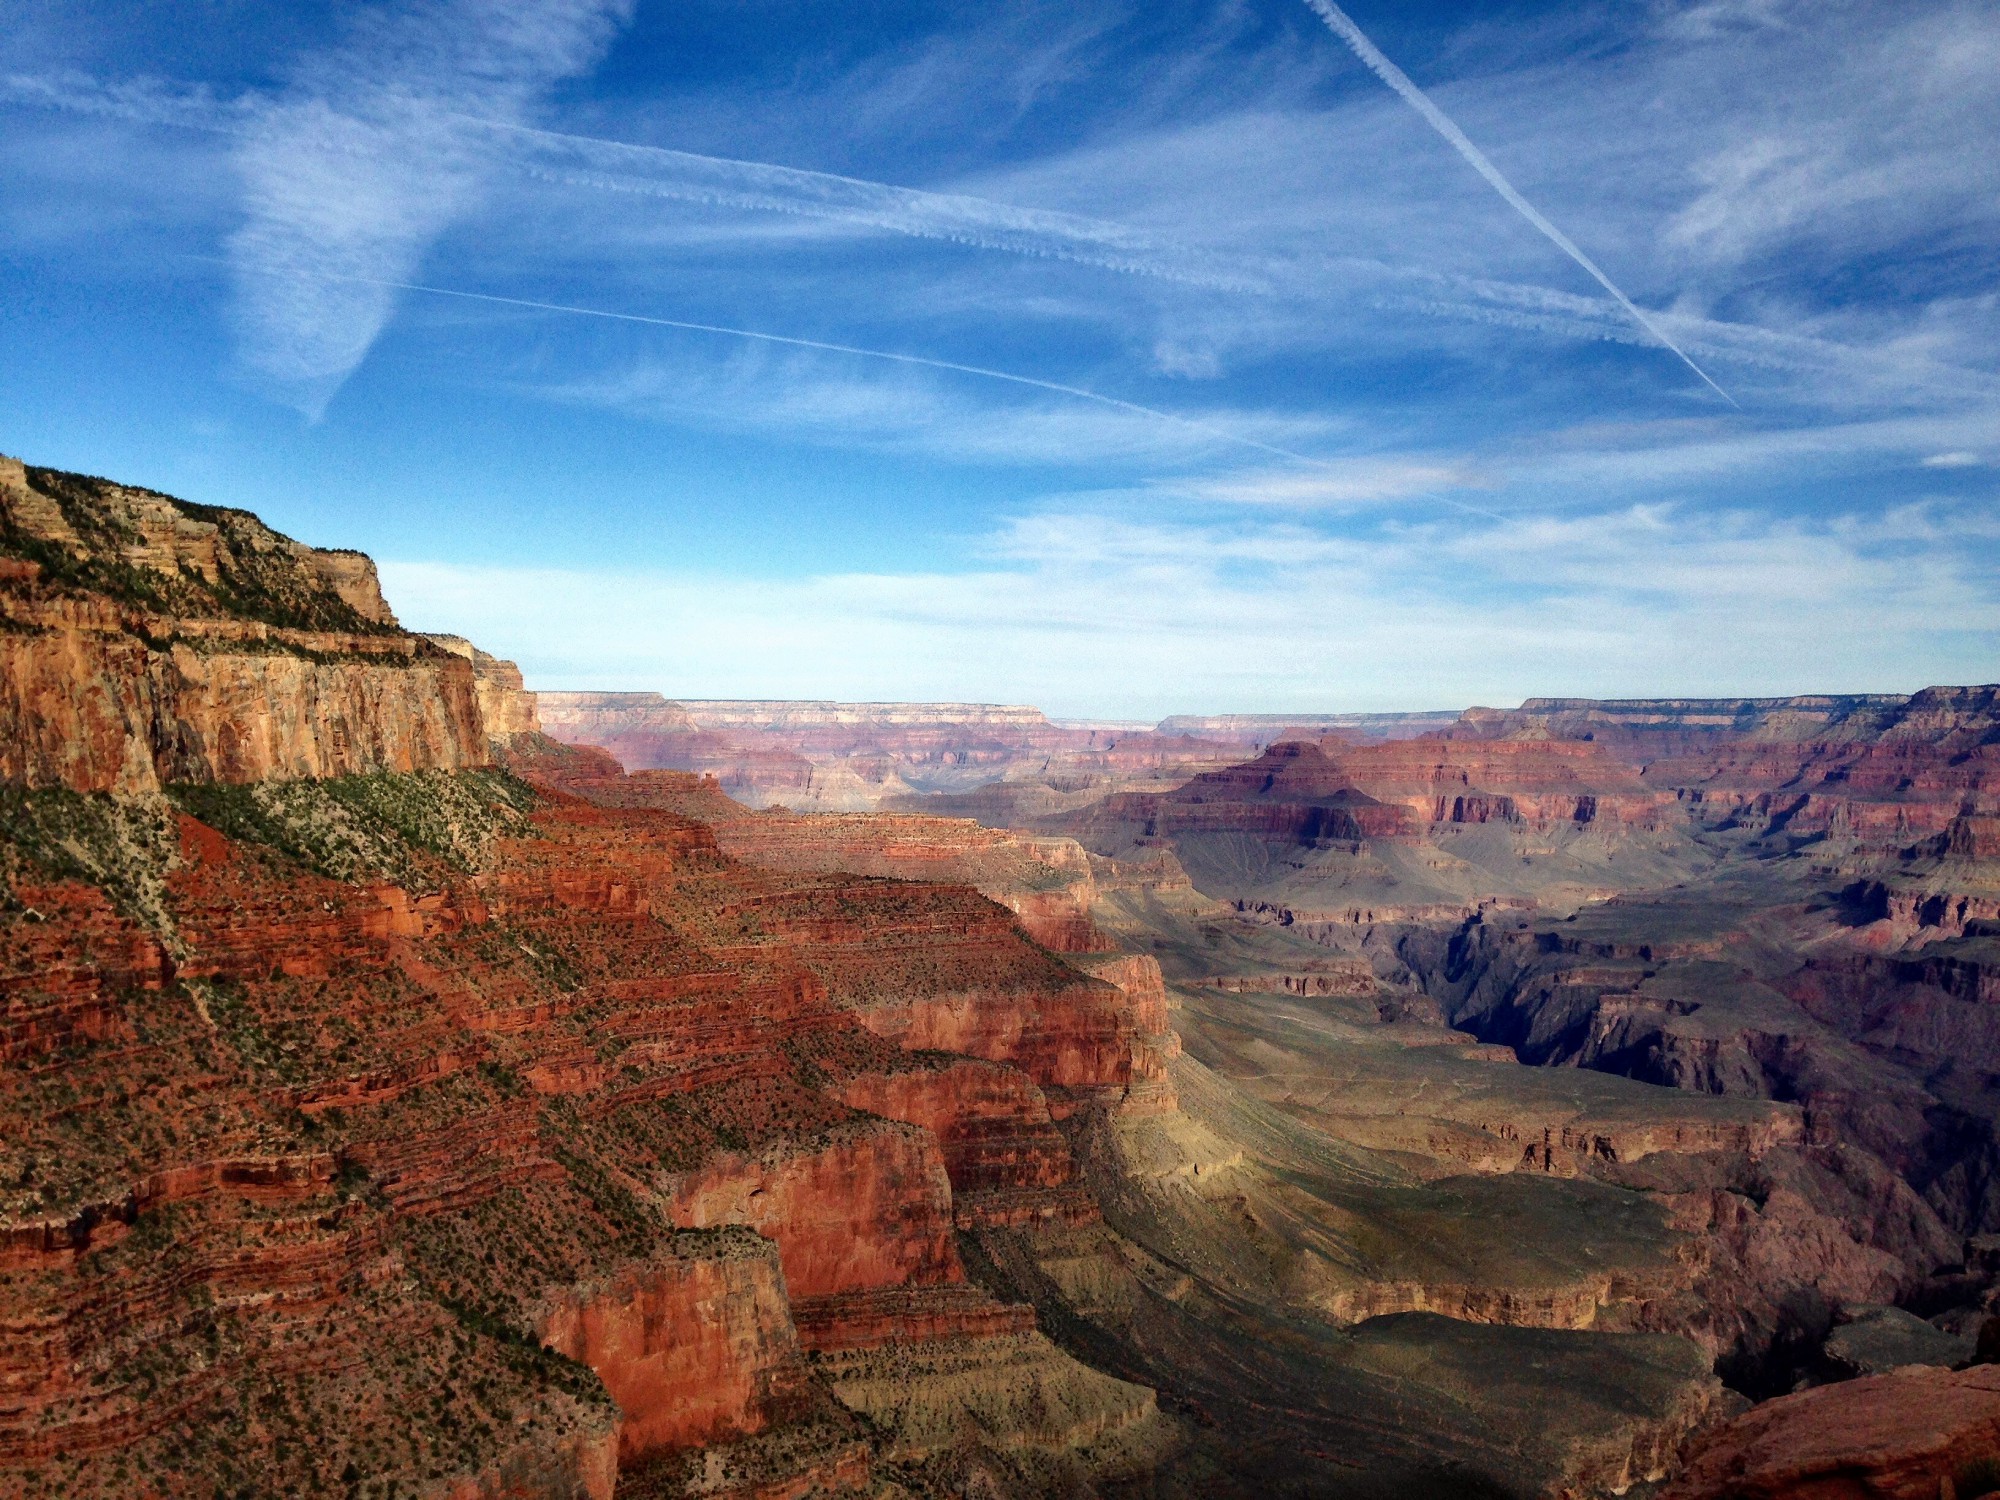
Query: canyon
412, 1084
858, 757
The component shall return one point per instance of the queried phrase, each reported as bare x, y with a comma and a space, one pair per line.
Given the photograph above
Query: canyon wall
826, 756
1258, 730
506, 707
1044, 1177
1767, 900
503, 1123
589, 1097
150, 641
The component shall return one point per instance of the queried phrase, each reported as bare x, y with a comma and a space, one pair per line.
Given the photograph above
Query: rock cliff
506, 707
1915, 1434
150, 641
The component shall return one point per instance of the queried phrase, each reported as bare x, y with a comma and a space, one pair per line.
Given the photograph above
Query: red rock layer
1480, 781
349, 1138
506, 707
1915, 1434
1885, 771
867, 1206
97, 698
695, 1348
1298, 792
1076, 1037
1008, 1163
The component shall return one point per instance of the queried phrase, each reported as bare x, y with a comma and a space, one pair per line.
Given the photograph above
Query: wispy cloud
817, 395
353, 171
1092, 614
957, 218
1340, 483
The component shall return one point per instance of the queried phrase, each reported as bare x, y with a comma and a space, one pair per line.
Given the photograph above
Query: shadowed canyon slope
1787, 900
396, 1099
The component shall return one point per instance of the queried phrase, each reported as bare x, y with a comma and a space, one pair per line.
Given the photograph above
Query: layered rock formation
1878, 771
395, 1099
1310, 1232
587, 1096
506, 707
149, 641
1781, 900
860, 756
1913, 1435
1478, 872
1259, 730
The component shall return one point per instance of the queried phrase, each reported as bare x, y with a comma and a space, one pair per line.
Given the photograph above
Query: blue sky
1305, 414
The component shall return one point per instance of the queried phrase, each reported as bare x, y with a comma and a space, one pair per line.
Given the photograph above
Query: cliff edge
145, 640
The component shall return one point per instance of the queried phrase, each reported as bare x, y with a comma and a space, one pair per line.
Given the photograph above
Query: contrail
686, 176
1339, 23
653, 171
1220, 434
959, 218
902, 359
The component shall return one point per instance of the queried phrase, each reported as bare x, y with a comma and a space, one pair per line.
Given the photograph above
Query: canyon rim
408, 1094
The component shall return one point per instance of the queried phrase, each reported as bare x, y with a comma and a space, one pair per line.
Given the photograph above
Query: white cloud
1093, 614
352, 172
845, 401
1340, 482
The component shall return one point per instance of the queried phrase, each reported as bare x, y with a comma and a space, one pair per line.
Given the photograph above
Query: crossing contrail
957, 218
1133, 407
1342, 26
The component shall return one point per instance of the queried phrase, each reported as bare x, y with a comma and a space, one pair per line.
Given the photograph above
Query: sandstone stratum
412, 1085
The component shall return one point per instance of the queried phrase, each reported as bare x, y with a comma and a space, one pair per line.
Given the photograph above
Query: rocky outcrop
506, 707
1018, 1387
866, 1208
1007, 1162
695, 1347
150, 641
1916, 1434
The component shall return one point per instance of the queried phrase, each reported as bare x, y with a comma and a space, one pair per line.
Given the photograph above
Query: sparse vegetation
122, 845
382, 825
259, 574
